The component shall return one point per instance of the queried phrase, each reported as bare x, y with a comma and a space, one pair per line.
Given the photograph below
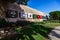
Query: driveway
55, 34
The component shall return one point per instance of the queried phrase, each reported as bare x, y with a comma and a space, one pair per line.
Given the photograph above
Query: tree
22, 2
55, 15
3, 5
7, 0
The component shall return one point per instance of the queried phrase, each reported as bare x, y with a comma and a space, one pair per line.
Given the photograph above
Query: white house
20, 12
30, 11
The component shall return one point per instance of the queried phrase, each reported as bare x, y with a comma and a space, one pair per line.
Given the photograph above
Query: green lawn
45, 30
37, 32
33, 31
52, 25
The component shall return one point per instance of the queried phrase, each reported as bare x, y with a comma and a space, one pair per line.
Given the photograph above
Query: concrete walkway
55, 34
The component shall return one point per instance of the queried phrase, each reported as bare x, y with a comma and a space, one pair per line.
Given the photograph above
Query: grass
52, 25
35, 31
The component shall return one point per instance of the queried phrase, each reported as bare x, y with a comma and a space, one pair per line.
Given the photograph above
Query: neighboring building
20, 12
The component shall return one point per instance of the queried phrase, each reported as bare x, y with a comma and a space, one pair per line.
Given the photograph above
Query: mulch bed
7, 32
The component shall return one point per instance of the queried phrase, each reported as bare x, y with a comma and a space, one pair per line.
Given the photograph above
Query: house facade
20, 12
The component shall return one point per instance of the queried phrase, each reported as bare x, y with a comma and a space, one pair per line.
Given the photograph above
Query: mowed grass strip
37, 31
52, 25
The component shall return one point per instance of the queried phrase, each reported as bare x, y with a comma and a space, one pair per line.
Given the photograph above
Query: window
23, 14
35, 16
19, 15
30, 15
11, 14
45, 17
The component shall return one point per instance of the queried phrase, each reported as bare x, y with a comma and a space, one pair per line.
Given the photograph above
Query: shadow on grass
26, 33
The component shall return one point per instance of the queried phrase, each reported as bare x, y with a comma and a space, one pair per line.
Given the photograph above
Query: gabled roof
31, 10
14, 6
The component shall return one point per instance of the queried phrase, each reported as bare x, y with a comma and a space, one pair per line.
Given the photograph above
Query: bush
2, 22
22, 23
10, 24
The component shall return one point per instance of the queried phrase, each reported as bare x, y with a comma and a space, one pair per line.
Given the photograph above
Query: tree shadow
53, 33
26, 33
28, 29
33, 30
42, 30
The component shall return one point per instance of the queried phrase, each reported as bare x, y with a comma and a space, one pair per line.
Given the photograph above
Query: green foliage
39, 23
23, 2
55, 15
22, 23
2, 22
35, 16
52, 21
6, 1
36, 32
18, 29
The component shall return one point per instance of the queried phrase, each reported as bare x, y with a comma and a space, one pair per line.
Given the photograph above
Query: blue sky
45, 6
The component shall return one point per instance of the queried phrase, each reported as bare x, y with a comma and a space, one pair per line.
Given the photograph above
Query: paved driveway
55, 34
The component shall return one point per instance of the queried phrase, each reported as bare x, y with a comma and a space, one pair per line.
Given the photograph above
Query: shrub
22, 23
2, 22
